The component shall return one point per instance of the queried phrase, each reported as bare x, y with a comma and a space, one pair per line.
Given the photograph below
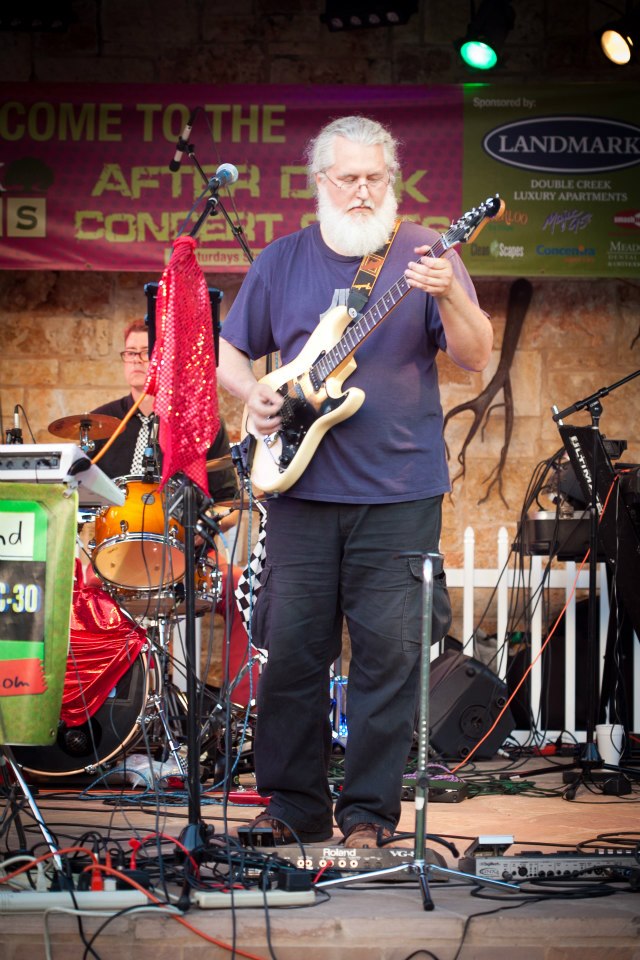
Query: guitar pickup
316, 382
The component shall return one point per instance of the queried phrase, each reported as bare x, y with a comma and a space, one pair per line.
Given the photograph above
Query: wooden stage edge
543, 919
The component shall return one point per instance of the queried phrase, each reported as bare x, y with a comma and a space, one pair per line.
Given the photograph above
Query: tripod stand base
423, 871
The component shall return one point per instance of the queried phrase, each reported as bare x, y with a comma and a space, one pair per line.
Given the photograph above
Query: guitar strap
367, 274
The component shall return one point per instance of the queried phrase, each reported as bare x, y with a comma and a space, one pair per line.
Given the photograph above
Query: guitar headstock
470, 224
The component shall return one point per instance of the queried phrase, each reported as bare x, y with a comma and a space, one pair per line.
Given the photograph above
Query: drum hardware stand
156, 705
420, 865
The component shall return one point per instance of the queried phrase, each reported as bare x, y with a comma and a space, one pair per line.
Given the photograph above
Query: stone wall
61, 332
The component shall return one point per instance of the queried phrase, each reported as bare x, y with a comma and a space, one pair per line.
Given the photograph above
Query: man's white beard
351, 234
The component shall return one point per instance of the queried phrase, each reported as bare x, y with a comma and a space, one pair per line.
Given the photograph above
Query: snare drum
132, 548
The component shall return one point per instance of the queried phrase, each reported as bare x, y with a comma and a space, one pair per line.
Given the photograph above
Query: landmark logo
565, 144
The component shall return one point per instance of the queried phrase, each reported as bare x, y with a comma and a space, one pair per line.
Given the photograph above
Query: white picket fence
504, 578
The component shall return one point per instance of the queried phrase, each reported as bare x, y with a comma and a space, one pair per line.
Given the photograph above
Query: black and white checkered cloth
249, 580
144, 438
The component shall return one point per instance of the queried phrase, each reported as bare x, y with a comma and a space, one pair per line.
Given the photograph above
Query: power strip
217, 899
33, 901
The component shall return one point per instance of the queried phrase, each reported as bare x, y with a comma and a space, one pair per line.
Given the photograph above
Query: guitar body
276, 461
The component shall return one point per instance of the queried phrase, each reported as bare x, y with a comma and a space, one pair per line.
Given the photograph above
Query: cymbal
97, 425
222, 463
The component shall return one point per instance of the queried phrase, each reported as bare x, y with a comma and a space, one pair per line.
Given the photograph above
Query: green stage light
489, 25
479, 55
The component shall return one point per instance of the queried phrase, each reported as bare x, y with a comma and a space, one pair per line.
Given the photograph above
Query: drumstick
116, 433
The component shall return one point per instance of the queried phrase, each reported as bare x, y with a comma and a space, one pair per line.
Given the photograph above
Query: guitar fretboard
356, 332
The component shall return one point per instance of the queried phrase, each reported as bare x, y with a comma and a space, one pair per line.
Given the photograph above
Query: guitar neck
358, 331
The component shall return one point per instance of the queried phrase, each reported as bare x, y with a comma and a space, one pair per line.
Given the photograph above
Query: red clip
135, 846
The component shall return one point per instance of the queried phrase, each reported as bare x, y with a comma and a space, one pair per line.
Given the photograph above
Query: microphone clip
14, 435
184, 147
149, 464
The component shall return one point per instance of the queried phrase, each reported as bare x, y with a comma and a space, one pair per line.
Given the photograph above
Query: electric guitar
311, 384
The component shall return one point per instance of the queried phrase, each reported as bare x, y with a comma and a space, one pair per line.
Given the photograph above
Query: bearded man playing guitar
361, 475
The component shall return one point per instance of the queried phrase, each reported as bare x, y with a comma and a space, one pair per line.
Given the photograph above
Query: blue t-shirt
392, 448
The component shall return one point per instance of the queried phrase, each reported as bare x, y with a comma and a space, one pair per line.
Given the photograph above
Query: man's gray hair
320, 155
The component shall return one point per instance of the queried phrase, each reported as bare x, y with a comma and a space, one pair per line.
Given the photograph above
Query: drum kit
137, 558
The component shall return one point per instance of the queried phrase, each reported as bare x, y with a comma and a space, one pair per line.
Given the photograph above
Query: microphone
15, 434
150, 459
226, 173
183, 143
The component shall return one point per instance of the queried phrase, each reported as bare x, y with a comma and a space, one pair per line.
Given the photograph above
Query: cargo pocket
441, 608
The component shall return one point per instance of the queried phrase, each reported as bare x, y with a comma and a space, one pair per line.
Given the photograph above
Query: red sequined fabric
103, 645
182, 372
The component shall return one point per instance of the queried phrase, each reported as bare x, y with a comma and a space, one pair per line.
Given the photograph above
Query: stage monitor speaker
465, 698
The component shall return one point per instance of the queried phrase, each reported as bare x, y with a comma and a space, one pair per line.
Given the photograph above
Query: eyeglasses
130, 356
352, 184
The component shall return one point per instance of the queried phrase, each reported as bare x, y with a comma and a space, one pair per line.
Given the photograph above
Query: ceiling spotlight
488, 28
357, 15
31, 16
620, 39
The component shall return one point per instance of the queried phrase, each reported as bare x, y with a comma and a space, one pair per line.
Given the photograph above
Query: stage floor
544, 919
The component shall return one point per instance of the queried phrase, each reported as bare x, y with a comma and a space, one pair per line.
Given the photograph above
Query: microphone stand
194, 834
424, 862
214, 203
590, 757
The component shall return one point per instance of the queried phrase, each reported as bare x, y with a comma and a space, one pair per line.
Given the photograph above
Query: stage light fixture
482, 45
50, 16
357, 16
620, 39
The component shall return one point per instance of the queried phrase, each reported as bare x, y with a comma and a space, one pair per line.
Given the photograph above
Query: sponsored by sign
566, 160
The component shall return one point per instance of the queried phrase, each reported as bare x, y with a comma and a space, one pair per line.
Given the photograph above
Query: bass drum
108, 733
